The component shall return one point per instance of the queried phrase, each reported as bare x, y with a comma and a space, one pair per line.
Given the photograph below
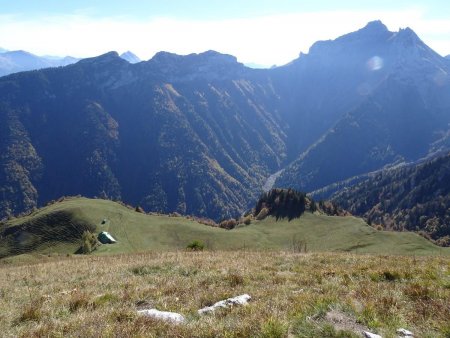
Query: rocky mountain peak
408, 37
130, 57
165, 57
375, 32
412, 53
375, 26
110, 58
103, 57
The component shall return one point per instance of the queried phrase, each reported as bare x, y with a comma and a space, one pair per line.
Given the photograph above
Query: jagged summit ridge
209, 56
374, 32
374, 37
209, 64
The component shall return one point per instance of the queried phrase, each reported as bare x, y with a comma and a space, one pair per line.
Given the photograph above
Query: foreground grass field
293, 295
58, 228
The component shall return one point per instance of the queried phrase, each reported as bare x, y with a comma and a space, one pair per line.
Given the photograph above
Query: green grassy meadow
56, 229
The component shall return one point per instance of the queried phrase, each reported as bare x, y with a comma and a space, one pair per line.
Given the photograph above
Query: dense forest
414, 198
289, 203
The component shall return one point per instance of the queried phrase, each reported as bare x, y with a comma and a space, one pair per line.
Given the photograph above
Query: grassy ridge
54, 229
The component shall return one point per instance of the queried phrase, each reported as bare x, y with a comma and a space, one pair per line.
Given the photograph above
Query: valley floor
293, 294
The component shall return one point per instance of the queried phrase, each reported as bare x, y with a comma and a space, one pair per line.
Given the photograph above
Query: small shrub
262, 214
195, 246
143, 270
443, 241
391, 276
228, 224
88, 242
298, 245
379, 227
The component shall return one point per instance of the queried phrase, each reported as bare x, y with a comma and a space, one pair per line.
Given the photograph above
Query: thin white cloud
263, 40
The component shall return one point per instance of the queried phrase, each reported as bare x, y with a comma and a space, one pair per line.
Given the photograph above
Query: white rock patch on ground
239, 300
371, 335
405, 333
163, 315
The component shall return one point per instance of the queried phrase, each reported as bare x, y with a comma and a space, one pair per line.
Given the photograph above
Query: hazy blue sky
265, 32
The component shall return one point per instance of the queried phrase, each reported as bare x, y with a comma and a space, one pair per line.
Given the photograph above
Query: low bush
195, 246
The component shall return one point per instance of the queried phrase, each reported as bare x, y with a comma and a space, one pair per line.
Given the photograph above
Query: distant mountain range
19, 61
200, 134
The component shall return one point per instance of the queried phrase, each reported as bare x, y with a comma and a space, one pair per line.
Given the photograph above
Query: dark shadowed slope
414, 198
195, 134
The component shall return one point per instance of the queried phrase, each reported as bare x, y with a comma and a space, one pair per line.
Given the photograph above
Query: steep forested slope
415, 198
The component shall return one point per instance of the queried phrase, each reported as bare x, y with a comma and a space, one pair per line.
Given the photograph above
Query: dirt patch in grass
344, 322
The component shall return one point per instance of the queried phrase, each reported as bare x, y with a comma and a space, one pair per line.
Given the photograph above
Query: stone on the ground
239, 300
368, 334
163, 315
405, 333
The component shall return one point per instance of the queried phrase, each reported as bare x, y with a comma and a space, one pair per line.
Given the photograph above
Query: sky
257, 32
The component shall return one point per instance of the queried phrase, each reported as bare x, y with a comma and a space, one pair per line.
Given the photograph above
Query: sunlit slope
58, 228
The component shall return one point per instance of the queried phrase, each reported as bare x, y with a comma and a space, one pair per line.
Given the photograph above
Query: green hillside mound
58, 228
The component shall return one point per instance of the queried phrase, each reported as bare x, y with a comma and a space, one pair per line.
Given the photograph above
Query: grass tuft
235, 279
274, 328
79, 300
31, 312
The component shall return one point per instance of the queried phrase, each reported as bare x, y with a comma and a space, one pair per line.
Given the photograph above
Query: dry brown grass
293, 294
